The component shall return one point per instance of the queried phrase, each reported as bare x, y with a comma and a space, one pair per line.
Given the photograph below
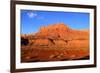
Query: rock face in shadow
56, 42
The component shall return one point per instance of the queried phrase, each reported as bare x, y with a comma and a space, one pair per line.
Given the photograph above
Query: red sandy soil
55, 42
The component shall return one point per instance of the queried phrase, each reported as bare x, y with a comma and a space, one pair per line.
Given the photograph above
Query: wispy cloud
35, 15
31, 14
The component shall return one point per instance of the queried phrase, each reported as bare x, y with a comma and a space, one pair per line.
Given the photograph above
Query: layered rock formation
57, 41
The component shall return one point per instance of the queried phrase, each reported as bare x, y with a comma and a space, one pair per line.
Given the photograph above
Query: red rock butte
57, 41
54, 27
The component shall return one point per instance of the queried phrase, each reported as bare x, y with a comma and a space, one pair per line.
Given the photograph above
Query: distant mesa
61, 31
54, 27
55, 34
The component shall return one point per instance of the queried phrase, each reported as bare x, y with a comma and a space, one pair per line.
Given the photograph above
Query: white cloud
34, 15
31, 14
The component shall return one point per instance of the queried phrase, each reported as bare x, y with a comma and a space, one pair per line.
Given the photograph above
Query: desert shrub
24, 41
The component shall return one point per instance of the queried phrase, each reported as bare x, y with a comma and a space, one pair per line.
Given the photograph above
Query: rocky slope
54, 43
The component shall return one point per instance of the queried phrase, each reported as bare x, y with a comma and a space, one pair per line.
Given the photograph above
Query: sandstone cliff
53, 39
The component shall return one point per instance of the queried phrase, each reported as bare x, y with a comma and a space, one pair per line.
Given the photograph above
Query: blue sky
32, 20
